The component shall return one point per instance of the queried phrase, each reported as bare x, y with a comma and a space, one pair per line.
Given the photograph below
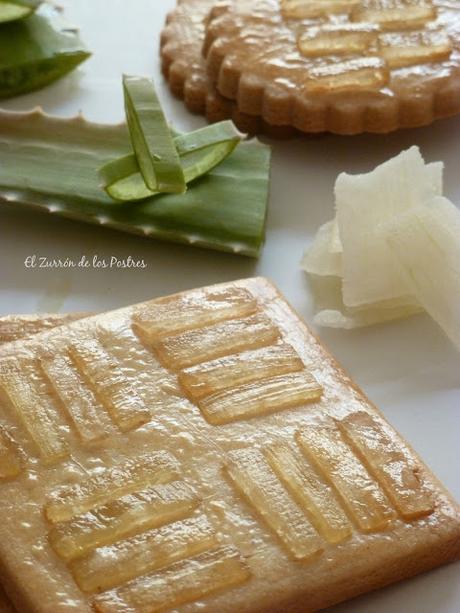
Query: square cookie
203, 452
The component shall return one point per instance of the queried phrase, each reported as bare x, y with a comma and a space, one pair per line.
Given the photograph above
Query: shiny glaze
255, 73
196, 453
240, 37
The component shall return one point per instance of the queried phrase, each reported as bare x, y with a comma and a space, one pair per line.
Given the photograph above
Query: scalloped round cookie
185, 70
343, 66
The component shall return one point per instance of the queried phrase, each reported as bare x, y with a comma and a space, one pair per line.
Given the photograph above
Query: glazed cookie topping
385, 34
331, 46
345, 66
202, 452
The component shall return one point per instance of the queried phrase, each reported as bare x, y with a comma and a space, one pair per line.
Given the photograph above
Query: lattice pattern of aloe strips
113, 565
388, 464
254, 479
360, 494
261, 397
208, 343
183, 582
152, 468
311, 492
231, 371
125, 516
115, 390
188, 311
34, 407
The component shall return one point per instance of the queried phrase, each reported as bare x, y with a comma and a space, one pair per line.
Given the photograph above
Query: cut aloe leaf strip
36, 51
199, 152
10, 10
151, 137
51, 164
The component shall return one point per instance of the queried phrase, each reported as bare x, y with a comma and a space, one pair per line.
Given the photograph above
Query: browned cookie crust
184, 67
395, 63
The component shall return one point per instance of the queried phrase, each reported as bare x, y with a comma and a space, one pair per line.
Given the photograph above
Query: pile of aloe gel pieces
36, 46
208, 188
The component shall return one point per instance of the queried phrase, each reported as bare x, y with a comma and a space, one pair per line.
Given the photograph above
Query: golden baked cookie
203, 452
343, 66
185, 70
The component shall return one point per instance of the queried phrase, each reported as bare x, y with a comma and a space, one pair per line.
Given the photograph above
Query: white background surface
408, 368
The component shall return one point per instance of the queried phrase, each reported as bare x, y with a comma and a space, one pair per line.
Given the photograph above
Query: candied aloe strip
183, 582
10, 10
259, 398
363, 498
10, 465
199, 151
34, 407
390, 466
235, 370
311, 493
36, 51
157, 467
175, 314
110, 384
151, 137
112, 565
126, 516
253, 478
51, 164
211, 342
79, 401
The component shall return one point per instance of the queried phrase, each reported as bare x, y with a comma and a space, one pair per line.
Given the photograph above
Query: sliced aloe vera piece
425, 243
36, 51
331, 312
151, 137
364, 202
51, 164
320, 258
199, 152
10, 10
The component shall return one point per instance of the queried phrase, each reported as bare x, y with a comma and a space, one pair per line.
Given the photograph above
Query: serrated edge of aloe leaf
14, 197
117, 171
151, 138
52, 205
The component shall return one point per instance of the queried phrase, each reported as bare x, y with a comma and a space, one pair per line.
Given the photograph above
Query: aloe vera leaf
51, 163
151, 137
10, 10
36, 51
199, 152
